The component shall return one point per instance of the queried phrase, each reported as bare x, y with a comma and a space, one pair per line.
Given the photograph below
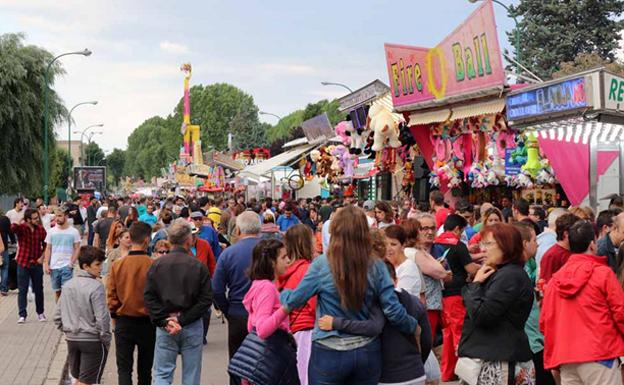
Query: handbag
271, 361
468, 369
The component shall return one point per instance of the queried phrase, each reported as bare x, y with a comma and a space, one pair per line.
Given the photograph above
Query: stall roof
264, 168
491, 106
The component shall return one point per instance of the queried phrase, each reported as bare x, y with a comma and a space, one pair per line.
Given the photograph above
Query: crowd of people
320, 291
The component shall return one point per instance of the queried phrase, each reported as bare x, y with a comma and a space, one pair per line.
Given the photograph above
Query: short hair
248, 223
564, 223
508, 239
525, 229
17, 200
463, 206
437, 197
605, 218
179, 232
166, 216
288, 207
29, 212
579, 212
539, 212
522, 205
580, 235
89, 254
396, 232
554, 215
139, 231
391, 270
490, 211
454, 221
264, 256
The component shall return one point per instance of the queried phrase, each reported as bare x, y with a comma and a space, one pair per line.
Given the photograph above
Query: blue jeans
360, 366
188, 343
24, 276
4, 272
60, 276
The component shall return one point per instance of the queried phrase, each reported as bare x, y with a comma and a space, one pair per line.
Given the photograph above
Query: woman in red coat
299, 241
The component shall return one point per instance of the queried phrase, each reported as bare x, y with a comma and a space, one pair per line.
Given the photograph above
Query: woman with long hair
299, 241
346, 281
133, 216
121, 246
384, 213
498, 303
492, 217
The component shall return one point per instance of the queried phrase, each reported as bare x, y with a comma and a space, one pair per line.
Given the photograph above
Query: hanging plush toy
408, 177
385, 127
341, 131
356, 138
325, 163
532, 165
337, 163
349, 162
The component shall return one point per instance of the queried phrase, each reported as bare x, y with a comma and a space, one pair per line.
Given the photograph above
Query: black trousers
542, 376
131, 332
237, 331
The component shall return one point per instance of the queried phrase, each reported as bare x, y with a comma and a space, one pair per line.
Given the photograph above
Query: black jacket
177, 283
496, 312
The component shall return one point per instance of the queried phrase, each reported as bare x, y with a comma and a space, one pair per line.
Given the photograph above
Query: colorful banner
560, 97
466, 61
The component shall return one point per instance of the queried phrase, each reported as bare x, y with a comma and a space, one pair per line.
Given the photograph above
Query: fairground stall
578, 121
453, 99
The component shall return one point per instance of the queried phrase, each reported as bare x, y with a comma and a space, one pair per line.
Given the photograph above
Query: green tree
554, 31
115, 162
247, 131
151, 146
22, 69
587, 61
94, 155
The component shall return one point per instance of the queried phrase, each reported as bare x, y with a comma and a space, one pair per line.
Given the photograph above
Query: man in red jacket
583, 315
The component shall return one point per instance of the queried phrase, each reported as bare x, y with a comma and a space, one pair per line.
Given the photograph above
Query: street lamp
338, 84
81, 141
271, 114
518, 61
69, 121
46, 159
90, 136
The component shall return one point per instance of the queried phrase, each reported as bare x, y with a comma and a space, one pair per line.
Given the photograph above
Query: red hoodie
304, 318
582, 313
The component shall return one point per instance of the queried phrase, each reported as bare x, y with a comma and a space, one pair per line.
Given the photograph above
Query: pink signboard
466, 61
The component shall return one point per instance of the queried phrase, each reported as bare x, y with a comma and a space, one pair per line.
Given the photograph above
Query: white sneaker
21, 320
42, 318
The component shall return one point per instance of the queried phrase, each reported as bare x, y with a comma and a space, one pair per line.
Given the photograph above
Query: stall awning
264, 168
460, 112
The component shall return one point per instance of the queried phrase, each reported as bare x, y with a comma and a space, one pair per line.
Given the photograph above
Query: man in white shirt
16, 214
61, 253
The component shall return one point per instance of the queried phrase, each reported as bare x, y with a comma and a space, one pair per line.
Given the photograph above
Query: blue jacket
320, 281
285, 223
211, 236
231, 276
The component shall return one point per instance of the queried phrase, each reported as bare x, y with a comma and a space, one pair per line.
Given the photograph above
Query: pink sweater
264, 308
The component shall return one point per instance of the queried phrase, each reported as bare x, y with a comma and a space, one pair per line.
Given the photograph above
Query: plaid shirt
30, 244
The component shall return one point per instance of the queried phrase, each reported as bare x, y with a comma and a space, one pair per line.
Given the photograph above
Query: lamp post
517, 65
69, 121
271, 114
46, 154
337, 84
82, 133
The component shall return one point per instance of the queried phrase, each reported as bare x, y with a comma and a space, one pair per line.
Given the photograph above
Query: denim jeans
188, 343
24, 276
361, 366
4, 272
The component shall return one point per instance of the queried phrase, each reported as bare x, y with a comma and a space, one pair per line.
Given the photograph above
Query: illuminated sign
564, 96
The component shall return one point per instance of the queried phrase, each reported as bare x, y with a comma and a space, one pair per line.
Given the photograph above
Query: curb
58, 372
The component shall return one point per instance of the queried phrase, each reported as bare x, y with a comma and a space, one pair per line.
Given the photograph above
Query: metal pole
593, 173
621, 145
45, 135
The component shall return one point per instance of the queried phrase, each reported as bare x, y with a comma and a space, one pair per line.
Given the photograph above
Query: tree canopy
115, 162
553, 32
94, 155
22, 69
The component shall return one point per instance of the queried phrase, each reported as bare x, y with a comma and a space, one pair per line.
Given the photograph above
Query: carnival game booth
453, 99
578, 121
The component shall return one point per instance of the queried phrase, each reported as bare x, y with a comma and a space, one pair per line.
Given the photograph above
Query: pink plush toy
341, 131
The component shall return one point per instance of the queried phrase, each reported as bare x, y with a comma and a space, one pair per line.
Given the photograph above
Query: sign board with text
466, 62
613, 92
553, 98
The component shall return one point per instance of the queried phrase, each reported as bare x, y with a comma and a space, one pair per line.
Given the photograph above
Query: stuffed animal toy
356, 138
325, 162
408, 177
350, 162
337, 163
385, 126
341, 131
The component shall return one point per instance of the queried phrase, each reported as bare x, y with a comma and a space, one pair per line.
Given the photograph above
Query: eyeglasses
428, 228
485, 245
162, 251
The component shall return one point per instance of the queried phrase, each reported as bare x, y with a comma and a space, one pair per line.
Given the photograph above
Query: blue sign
564, 96
511, 167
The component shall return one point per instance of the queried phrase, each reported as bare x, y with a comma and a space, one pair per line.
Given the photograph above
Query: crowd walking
327, 292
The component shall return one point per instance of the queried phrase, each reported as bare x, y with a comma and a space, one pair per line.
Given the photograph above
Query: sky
278, 51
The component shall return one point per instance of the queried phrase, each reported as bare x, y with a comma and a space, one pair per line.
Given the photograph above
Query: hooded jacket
301, 319
582, 313
456, 256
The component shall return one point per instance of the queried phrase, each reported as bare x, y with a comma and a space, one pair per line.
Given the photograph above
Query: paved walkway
27, 350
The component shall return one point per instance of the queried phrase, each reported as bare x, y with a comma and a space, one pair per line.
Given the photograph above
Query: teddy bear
356, 138
341, 130
324, 163
336, 153
385, 126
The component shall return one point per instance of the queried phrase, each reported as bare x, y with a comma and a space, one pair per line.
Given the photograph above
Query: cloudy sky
276, 50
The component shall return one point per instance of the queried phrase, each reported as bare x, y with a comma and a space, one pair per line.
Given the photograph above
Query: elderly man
231, 277
609, 244
177, 295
